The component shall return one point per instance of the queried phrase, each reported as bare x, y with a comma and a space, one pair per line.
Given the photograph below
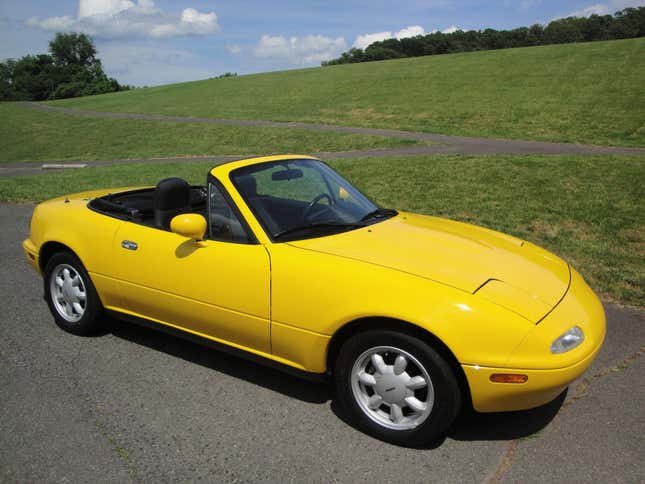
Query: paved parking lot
134, 404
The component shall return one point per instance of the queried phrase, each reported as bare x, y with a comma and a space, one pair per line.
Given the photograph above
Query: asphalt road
134, 404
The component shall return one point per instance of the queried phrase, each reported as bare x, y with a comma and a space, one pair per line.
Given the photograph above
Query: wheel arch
48, 249
53, 247
385, 323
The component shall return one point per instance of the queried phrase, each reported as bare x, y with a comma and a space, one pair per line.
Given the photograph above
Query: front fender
317, 294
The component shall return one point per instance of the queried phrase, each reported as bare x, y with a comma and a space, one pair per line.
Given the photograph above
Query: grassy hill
27, 135
588, 93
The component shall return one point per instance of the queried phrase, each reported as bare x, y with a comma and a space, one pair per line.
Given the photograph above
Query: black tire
90, 321
447, 394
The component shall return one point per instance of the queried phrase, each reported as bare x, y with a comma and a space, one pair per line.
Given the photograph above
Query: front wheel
71, 296
396, 387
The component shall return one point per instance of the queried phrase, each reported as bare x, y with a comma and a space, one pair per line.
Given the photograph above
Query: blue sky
151, 42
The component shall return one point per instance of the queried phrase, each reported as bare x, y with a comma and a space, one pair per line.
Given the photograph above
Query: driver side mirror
191, 225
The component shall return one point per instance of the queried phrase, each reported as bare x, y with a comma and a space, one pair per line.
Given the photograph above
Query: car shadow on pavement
237, 367
506, 425
469, 425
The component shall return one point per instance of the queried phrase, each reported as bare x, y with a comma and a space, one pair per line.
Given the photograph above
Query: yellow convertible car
413, 317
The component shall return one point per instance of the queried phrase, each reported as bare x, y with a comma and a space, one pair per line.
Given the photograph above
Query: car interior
155, 207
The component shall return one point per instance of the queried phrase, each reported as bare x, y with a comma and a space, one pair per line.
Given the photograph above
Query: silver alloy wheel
67, 291
392, 388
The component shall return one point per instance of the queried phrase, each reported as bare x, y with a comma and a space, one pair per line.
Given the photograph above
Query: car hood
505, 270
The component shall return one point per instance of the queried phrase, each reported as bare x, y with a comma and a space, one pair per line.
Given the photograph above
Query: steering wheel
312, 204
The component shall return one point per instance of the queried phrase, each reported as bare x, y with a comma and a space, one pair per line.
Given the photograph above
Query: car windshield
298, 199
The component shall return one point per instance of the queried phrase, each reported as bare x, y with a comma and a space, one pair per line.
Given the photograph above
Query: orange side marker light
508, 378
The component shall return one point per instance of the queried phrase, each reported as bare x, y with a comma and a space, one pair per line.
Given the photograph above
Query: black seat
171, 197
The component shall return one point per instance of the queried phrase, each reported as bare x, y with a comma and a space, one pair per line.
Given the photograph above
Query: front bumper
31, 253
548, 374
541, 387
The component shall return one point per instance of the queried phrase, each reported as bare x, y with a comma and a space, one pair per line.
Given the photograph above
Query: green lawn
588, 210
588, 93
28, 135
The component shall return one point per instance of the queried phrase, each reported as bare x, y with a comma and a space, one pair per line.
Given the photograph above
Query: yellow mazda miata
279, 257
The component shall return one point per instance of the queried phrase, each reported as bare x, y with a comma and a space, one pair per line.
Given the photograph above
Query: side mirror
191, 225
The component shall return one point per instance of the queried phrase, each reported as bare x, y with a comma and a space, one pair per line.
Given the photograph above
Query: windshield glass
296, 199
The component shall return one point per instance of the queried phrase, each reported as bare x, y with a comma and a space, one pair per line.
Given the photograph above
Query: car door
218, 287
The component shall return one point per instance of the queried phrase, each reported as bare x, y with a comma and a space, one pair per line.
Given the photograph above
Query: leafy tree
535, 34
71, 69
73, 50
33, 77
628, 23
564, 31
7, 92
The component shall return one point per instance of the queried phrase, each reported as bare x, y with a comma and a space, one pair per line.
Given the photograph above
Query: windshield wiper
379, 213
300, 228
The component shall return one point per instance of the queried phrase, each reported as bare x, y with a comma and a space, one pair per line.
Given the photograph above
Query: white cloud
363, 41
411, 31
88, 8
450, 30
605, 8
125, 18
299, 50
234, 49
197, 22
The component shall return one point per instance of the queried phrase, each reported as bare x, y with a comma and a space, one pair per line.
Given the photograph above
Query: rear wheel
396, 387
71, 296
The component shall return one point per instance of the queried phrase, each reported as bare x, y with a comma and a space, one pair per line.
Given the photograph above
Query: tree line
71, 69
625, 24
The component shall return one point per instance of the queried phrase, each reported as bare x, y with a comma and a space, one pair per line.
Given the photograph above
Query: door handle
128, 244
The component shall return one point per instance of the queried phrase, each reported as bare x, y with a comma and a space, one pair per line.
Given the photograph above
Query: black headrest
171, 193
248, 185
